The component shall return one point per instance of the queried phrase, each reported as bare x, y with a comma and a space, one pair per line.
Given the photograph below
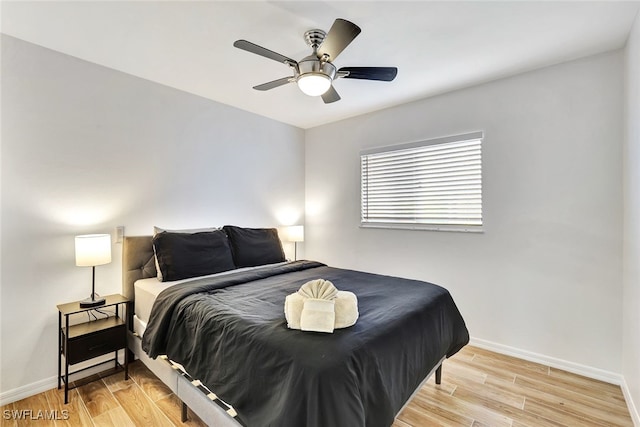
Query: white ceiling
437, 46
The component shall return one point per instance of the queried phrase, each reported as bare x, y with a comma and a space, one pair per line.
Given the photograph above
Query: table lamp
92, 250
295, 234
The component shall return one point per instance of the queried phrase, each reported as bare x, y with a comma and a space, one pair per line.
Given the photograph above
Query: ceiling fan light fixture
314, 84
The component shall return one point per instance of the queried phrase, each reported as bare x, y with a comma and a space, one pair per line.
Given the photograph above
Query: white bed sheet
146, 291
139, 326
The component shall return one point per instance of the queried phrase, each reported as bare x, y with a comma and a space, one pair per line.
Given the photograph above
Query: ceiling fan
315, 73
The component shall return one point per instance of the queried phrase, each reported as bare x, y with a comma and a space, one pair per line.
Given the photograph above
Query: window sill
419, 227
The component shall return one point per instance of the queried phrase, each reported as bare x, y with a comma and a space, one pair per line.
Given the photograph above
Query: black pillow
184, 255
254, 246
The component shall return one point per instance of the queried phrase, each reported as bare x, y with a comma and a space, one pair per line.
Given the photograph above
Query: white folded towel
346, 308
318, 315
319, 306
293, 305
318, 289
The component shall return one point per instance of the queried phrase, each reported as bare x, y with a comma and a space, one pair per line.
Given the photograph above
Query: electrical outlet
119, 234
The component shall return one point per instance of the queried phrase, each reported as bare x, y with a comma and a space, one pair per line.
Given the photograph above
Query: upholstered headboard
137, 262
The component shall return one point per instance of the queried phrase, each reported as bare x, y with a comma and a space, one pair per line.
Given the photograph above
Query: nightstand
93, 338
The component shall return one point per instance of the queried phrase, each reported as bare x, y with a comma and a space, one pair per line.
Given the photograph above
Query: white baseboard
633, 410
28, 390
34, 388
576, 368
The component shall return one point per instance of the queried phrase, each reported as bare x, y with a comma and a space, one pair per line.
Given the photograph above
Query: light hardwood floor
479, 388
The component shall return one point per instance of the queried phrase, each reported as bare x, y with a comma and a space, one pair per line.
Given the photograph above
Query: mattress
139, 326
146, 291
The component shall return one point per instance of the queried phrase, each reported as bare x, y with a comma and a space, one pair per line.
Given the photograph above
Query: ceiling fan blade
342, 33
330, 96
274, 84
385, 74
259, 50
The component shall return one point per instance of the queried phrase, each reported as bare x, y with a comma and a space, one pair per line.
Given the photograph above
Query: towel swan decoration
318, 306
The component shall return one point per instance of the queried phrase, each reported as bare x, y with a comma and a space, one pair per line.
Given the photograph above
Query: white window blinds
434, 184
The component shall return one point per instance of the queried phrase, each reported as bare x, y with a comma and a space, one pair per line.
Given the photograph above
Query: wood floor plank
571, 410
85, 380
399, 423
445, 387
10, 421
35, 412
73, 413
148, 382
97, 398
116, 382
116, 417
171, 406
611, 390
497, 394
466, 353
417, 417
427, 407
140, 408
560, 396
534, 406
612, 394
507, 384
486, 368
479, 388
534, 420
509, 362
461, 374
565, 393
470, 410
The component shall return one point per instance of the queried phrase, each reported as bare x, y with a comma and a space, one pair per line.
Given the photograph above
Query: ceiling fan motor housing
311, 64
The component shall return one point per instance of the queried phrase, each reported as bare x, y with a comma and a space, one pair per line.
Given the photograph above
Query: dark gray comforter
230, 332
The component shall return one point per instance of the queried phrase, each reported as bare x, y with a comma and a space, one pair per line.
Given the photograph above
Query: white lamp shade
295, 233
314, 84
93, 249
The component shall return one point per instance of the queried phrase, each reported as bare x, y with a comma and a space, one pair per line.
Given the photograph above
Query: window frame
470, 228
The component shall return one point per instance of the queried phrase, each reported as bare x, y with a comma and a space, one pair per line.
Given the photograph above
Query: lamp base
90, 302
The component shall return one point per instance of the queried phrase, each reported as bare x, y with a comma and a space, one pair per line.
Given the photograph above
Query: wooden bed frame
138, 262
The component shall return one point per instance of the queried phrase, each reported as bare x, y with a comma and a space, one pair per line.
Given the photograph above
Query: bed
221, 342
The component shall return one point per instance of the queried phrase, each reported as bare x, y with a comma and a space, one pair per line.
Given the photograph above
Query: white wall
85, 149
631, 259
545, 276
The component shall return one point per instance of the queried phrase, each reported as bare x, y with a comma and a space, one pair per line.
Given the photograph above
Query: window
434, 185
